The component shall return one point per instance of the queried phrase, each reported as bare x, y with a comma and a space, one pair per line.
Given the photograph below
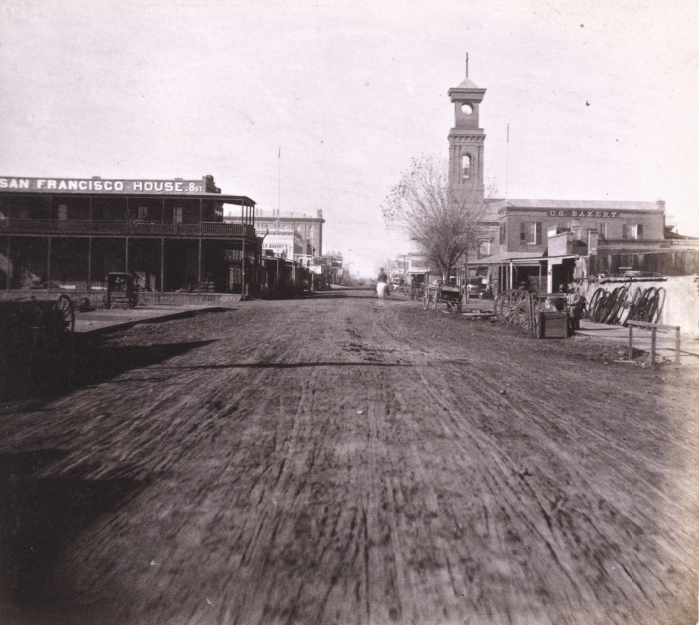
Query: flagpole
279, 205
507, 166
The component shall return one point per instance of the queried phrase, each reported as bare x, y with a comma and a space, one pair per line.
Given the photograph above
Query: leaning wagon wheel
600, 305
507, 305
434, 299
522, 314
626, 308
620, 297
63, 309
634, 305
592, 306
425, 300
660, 296
652, 304
646, 304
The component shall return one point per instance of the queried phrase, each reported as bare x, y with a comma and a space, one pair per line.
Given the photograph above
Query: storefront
541, 244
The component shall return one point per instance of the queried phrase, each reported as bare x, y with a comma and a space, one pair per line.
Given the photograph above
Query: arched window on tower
465, 166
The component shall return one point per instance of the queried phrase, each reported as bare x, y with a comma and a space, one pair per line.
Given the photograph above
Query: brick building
541, 242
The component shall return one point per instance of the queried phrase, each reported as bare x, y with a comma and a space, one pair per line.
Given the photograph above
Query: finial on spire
467, 65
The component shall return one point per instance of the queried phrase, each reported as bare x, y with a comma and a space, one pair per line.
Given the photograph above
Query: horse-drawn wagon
440, 292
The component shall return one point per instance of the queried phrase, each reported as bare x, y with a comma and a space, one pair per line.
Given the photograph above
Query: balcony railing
124, 228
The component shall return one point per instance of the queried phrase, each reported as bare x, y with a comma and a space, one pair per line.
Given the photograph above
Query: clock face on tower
466, 108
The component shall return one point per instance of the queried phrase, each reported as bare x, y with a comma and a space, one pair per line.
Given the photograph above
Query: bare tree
443, 220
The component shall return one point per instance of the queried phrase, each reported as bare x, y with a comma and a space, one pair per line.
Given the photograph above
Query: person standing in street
381, 285
574, 301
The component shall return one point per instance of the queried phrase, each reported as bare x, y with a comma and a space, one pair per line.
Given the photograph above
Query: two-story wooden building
69, 233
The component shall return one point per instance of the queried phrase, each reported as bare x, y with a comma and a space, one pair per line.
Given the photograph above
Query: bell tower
466, 139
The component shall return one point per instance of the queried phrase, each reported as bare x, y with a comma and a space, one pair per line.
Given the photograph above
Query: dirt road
332, 462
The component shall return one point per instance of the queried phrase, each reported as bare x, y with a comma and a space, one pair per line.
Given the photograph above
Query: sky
602, 99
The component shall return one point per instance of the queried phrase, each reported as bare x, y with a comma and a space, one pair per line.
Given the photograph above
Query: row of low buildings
61, 234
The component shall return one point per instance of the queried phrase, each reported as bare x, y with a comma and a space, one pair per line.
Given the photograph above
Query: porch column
10, 266
511, 276
199, 269
89, 263
48, 267
201, 213
162, 263
242, 286
126, 256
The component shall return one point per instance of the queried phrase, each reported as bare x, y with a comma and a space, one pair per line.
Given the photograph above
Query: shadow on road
40, 519
94, 360
292, 365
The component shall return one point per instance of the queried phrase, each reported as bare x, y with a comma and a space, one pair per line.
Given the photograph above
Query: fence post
677, 346
652, 348
630, 342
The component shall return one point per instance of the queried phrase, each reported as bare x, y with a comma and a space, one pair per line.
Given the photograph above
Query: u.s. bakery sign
597, 214
100, 185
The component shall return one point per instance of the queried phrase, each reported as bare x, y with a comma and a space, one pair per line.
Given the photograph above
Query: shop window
143, 213
465, 166
503, 234
530, 232
62, 212
632, 231
177, 215
602, 230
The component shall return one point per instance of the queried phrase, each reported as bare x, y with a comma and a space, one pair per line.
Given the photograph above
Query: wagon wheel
615, 309
522, 314
645, 304
633, 306
592, 306
65, 314
660, 296
507, 305
425, 300
625, 310
651, 305
599, 306
434, 299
